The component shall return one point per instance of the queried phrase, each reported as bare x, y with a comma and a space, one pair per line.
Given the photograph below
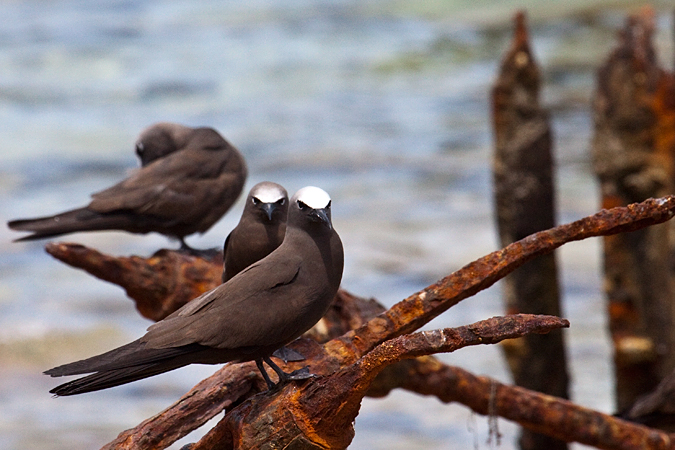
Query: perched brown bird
259, 310
189, 178
260, 230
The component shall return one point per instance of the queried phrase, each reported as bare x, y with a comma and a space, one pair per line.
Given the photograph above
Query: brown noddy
189, 178
260, 230
265, 306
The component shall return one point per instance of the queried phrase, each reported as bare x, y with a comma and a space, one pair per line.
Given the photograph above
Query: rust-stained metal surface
320, 413
215, 394
633, 151
524, 204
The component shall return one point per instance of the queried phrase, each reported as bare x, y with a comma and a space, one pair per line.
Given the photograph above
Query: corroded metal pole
525, 204
633, 148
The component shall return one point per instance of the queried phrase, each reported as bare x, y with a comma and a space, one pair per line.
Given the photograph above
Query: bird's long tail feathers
110, 378
72, 221
122, 365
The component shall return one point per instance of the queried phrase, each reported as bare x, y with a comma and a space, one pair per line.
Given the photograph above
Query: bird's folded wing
165, 187
231, 315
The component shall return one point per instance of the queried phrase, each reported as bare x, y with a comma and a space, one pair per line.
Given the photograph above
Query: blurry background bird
189, 178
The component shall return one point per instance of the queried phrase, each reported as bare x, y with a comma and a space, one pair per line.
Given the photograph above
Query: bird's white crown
314, 197
268, 192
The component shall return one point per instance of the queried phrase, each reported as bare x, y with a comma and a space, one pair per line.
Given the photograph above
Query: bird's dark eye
139, 148
256, 201
302, 206
281, 202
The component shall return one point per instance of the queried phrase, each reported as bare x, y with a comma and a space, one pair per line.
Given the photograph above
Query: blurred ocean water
385, 104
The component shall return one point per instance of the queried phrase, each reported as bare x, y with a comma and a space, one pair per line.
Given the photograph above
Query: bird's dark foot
300, 374
183, 245
268, 380
286, 354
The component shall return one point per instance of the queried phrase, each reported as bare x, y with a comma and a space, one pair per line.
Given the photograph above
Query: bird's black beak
322, 215
269, 209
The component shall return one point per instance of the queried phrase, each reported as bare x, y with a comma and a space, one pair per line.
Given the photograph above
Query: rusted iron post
525, 204
633, 148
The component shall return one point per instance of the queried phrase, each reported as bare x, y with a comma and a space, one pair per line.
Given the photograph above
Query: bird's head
312, 204
271, 199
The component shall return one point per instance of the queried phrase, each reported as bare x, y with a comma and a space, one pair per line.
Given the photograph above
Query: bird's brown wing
170, 187
249, 310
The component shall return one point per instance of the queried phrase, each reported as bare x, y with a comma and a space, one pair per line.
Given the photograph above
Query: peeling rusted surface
633, 150
538, 412
525, 203
202, 403
489, 331
324, 409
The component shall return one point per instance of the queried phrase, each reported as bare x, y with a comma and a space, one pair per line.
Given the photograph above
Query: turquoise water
382, 103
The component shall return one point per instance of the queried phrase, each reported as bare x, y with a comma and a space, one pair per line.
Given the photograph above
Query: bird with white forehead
262, 308
260, 230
